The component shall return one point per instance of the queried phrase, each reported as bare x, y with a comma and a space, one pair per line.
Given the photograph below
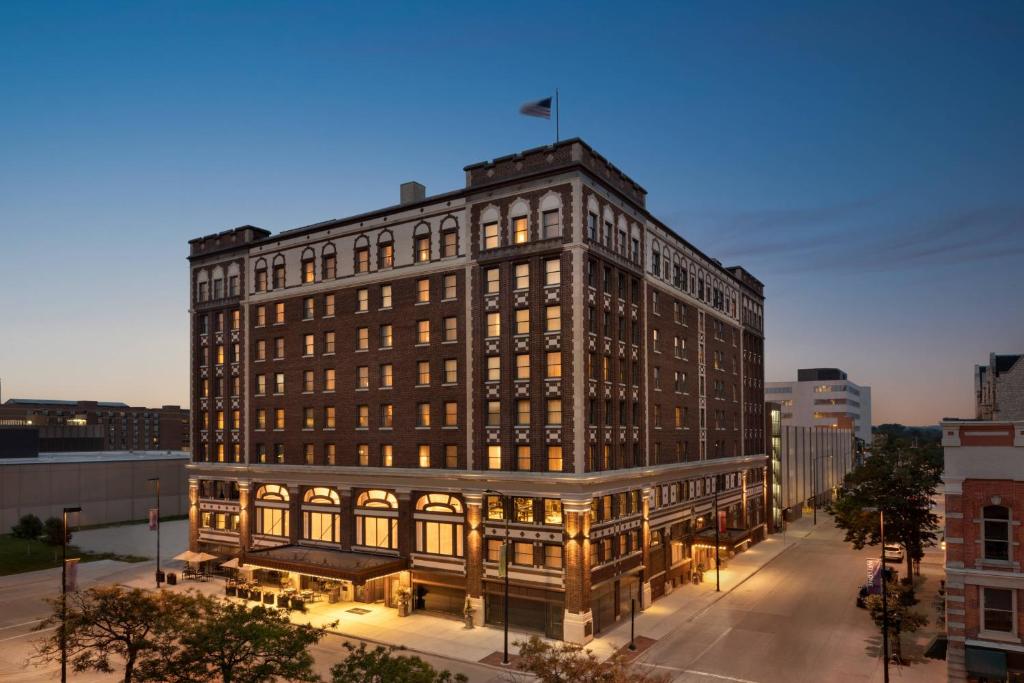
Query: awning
986, 663
324, 562
728, 537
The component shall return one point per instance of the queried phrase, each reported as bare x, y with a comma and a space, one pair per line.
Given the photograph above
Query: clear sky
866, 161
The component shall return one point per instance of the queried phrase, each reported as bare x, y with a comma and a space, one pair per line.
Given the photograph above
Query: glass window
552, 272
449, 243
522, 366
307, 345
279, 312
363, 454
329, 305
363, 377
329, 379
422, 249
451, 330
554, 458
450, 287
386, 255
362, 416
523, 460
422, 331
387, 377
423, 414
423, 453
308, 308
387, 415
495, 505
387, 454
493, 368
386, 338
494, 461
998, 609
523, 411
451, 414
328, 342
492, 283
552, 511
491, 239
523, 509
423, 373
554, 364
997, 532
523, 554
552, 226
362, 338
385, 296
522, 321
521, 230
423, 290
493, 325
451, 456
554, 411
493, 418
553, 318
451, 371
553, 556
362, 300
522, 276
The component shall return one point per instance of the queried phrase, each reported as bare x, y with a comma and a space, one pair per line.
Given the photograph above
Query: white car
892, 552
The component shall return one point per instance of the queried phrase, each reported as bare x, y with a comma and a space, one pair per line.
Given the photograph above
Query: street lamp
158, 575
64, 596
505, 548
885, 592
632, 616
718, 562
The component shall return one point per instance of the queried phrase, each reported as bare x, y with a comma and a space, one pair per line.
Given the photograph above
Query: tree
901, 482
29, 526
381, 665
235, 644
570, 663
901, 618
104, 622
53, 528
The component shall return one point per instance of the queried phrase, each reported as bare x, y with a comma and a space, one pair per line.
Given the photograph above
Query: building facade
384, 399
999, 388
823, 397
984, 486
99, 425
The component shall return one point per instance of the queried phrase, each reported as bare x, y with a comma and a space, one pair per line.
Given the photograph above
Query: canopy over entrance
326, 563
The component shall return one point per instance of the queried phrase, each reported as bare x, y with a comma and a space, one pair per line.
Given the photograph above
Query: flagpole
557, 122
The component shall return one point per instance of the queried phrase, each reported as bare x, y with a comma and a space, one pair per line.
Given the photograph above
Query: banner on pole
71, 575
874, 567
503, 560
154, 519
721, 521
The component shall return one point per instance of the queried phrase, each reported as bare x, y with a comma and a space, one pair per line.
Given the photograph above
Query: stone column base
578, 628
646, 599
478, 610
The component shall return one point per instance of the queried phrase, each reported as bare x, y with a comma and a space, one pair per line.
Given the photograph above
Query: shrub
29, 526
53, 528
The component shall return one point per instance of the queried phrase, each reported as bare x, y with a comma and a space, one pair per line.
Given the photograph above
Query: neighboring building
110, 486
999, 388
98, 425
820, 397
360, 385
984, 483
812, 464
773, 449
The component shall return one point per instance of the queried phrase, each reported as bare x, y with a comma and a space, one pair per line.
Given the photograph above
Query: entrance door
371, 591
602, 606
444, 599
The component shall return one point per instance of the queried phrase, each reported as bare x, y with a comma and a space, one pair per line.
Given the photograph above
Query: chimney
412, 192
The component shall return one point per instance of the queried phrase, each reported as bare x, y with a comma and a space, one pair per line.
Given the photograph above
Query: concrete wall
107, 490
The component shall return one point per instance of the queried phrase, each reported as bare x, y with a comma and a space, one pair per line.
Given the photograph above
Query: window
492, 282
319, 524
261, 316
449, 243
422, 414
491, 239
522, 554
279, 418
362, 416
450, 287
385, 296
422, 249
554, 458
522, 509
592, 226
554, 364
522, 321
387, 454
554, 411
451, 456
553, 319
329, 379
451, 371
387, 415
423, 453
422, 331
996, 521
523, 458
523, 412
261, 385
423, 290
363, 454
493, 325
522, 366
279, 347
493, 418
261, 418
308, 453
328, 342
279, 276
363, 260
495, 506
362, 300
330, 266
553, 511
308, 421
552, 272
493, 463
552, 556
552, 226
362, 338
451, 414
363, 377
307, 380
387, 378
998, 606
520, 230
451, 330
307, 345
236, 319
375, 527
261, 280
386, 255
493, 368
386, 338
423, 373
522, 276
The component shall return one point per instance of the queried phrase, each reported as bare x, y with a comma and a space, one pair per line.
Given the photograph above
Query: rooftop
60, 402
97, 456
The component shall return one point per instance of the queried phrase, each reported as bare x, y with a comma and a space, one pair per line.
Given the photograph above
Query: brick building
984, 479
99, 425
999, 388
363, 389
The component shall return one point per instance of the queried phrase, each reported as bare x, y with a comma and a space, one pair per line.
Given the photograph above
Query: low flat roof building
823, 397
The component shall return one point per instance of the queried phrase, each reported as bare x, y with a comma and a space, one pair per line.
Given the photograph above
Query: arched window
329, 262
361, 254
439, 525
272, 515
202, 285
272, 492
421, 243
278, 275
996, 532
321, 518
321, 495
449, 237
260, 275
385, 249
377, 519
308, 265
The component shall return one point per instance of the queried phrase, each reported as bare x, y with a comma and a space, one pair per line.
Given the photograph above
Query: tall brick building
984, 478
363, 387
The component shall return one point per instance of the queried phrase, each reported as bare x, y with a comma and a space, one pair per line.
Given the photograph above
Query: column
406, 528
645, 541
347, 519
245, 513
475, 554
294, 513
193, 514
578, 620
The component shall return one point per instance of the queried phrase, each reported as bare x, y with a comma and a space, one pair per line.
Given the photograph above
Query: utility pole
158, 576
718, 563
64, 596
885, 601
505, 548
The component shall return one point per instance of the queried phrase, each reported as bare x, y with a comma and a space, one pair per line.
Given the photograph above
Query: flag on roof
539, 108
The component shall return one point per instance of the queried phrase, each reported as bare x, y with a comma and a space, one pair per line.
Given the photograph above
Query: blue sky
864, 160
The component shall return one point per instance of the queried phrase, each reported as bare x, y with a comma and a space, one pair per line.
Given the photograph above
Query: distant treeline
898, 432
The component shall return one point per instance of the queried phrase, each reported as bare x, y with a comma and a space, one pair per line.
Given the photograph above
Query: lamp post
505, 548
158, 577
64, 596
632, 618
718, 563
885, 592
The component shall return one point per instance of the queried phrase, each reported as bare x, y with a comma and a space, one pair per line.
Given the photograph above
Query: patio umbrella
203, 557
188, 556
230, 564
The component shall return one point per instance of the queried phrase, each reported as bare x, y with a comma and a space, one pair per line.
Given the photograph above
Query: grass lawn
18, 555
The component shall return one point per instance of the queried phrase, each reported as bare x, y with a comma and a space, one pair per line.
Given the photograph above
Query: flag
71, 575
540, 108
503, 560
153, 519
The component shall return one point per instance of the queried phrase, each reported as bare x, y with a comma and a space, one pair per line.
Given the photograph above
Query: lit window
493, 463
329, 306
330, 416
308, 308
386, 255
423, 453
387, 415
451, 414
523, 321
451, 330
521, 230
279, 312
363, 454
552, 227
330, 264
279, 383
279, 418
329, 379
386, 338
307, 380
451, 371
308, 421
422, 414
449, 243
387, 379
491, 240
385, 296
552, 556
522, 366
261, 418
554, 364
450, 287
554, 411
363, 260
493, 413
423, 373
387, 455
522, 276
553, 506
554, 458
552, 272
523, 458
362, 339
523, 412
261, 316
422, 331
261, 386
362, 300
308, 274
553, 318
493, 368
308, 345
279, 347
362, 416
451, 456
362, 377
522, 509
328, 342
422, 249
423, 290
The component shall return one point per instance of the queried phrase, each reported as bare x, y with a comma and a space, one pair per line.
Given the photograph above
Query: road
794, 620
